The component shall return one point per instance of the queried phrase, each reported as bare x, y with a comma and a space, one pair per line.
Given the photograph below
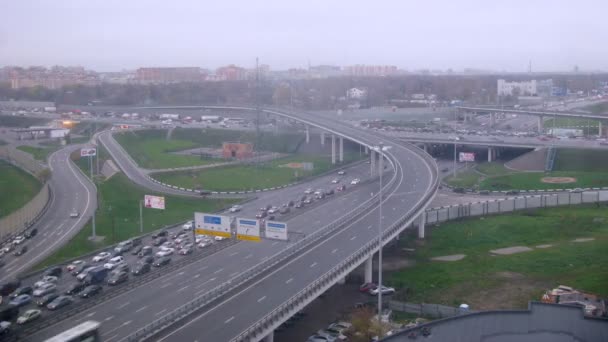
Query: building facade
169, 75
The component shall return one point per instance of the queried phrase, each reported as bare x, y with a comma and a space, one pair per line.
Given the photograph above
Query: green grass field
150, 148
532, 180
581, 160
39, 153
463, 179
249, 177
118, 216
17, 187
508, 281
588, 126
493, 169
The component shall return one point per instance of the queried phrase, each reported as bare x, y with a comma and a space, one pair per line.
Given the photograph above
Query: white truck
169, 116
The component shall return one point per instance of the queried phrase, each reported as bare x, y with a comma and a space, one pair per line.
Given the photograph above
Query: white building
356, 94
526, 88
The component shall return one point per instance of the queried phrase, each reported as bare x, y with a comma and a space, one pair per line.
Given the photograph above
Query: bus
85, 332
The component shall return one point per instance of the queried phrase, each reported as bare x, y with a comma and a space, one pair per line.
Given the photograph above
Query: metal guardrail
117, 290
331, 276
287, 253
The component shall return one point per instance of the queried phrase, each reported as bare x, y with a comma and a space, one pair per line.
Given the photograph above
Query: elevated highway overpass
339, 236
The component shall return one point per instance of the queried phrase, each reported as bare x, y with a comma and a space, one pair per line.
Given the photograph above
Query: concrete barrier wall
18, 221
442, 214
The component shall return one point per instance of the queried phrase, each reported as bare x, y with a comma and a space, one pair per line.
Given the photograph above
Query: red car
365, 288
341, 188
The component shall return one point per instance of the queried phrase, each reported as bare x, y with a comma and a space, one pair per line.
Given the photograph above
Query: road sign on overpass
247, 229
276, 230
215, 225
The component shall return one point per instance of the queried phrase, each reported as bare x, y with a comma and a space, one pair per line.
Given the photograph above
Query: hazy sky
490, 34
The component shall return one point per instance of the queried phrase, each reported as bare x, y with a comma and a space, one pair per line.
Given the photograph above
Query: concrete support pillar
600, 133
341, 156
369, 266
490, 154
372, 156
322, 138
540, 124
493, 119
342, 281
269, 337
333, 149
366, 150
421, 225
307, 134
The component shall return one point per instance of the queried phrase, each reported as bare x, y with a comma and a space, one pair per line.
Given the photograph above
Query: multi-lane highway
71, 191
122, 315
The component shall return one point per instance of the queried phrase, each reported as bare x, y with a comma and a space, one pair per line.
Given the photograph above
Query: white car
74, 264
18, 240
101, 256
46, 280
220, 238
235, 208
187, 226
341, 172
335, 181
308, 191
273, 210
74, 214
44, 289
115, 261
29, 316
385, 291
355, 181
204, 244
165, 252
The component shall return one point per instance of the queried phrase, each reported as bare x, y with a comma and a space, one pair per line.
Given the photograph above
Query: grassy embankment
17, 187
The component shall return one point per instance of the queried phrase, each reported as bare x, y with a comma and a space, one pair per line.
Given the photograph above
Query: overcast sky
111, 35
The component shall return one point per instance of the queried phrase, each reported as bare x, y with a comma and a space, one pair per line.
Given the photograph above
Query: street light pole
380, 234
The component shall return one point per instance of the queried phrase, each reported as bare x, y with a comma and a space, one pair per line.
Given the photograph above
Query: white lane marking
289, 280
261, 299
233, 274
90, 314
166, 285
196, 276
313, 264
352, 238
229, 320
125, 304
249, 256
160, 312
142, 308
111, 338
108, 318
334, 251
127, 323
370, 227
218, 271
234, 253
183, 288
203, 283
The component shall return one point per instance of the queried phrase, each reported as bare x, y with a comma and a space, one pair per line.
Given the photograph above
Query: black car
118, 278
136, 250
146, 250
20, 251
75, 288
459, 190
484, 192
45, 300
141, 268
136, 242
329, 192
159, 241
148, 259
59, 302
160, 233
90, 291
512, 192
10, 287
162, 261
31, 233
54, 271
22, 290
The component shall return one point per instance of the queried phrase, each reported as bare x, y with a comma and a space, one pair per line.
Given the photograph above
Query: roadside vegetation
117, 216
598, 108
508, 281
17, 187
39, 153
588, 126
251, 177
151, 149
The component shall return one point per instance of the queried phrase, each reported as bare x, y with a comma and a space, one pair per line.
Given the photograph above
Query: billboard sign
247, 229
216, 225
466, 157
276, 230
154, 202
88, 152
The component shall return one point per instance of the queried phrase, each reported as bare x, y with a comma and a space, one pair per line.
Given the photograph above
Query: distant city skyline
116, 35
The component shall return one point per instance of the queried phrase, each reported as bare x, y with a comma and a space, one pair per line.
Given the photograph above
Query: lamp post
380, 148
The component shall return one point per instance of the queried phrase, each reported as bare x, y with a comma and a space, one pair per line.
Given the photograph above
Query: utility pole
141, 217
94, 235
380, 231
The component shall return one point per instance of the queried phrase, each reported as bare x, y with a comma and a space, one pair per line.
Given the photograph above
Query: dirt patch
583, 239
544, 246
509, 290
511, 250
454, 257
558, 180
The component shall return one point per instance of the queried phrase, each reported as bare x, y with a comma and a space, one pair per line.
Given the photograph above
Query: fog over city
491, 35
